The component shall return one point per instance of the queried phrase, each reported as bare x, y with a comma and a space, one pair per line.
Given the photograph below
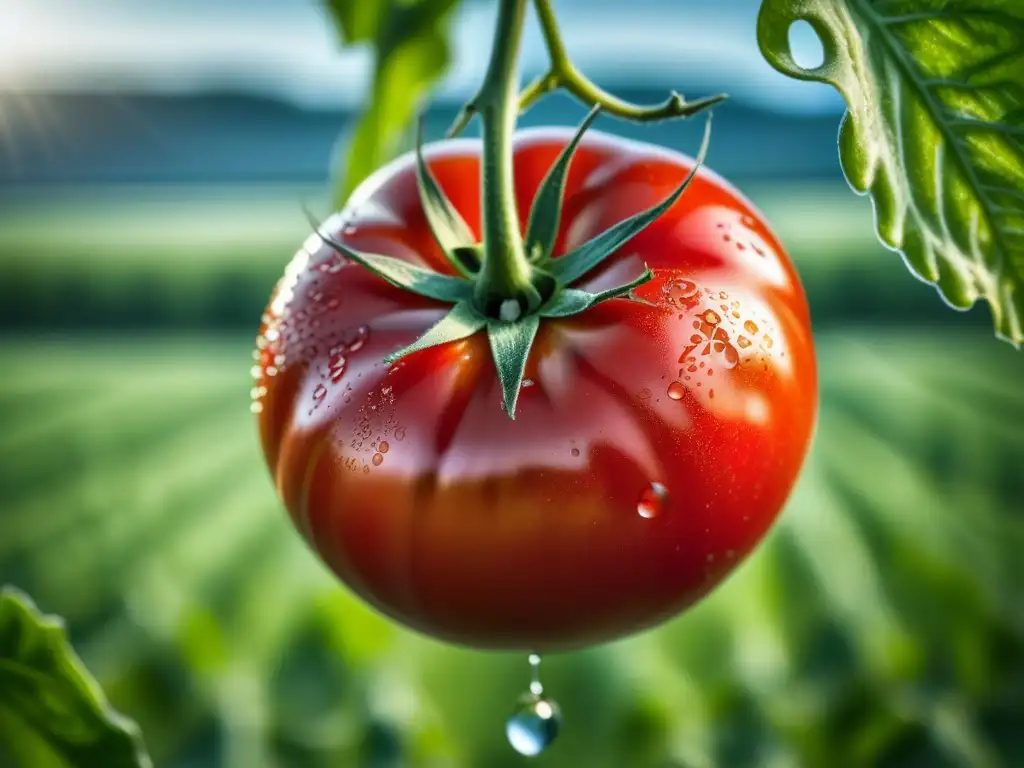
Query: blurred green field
882, 624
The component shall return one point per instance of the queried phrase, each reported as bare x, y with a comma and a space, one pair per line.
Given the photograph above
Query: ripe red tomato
653, 446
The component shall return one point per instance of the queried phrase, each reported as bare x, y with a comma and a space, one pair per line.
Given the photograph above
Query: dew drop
676, 390
575, 452
680, 292
256, 407
750, 326
533, 725
336, 367
712, 318
378, 459
319, 393
743, 341
652, 499
383, 447
644, 394
768, 341
535, 722
400, 434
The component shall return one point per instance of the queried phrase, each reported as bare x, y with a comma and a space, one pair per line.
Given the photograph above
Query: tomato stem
505, 272
564, 74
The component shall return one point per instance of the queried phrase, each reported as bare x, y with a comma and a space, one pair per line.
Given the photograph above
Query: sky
286, 49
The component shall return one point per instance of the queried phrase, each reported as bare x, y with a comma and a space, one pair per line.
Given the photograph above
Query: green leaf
934, 132
445, 222
462, 321
574, 265
411, 52
404, 275
510, 347
546, 211
571, 301
51, 711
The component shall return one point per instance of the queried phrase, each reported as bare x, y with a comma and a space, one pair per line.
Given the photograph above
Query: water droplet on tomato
383, 447
535, 722
318, 395
256, 407
575, 452
336, 367
676, 390
362, 336
400, 434
712, 318
680, 292
768, 341
750, 326
644, 394
378, 459
651, 501
743, 341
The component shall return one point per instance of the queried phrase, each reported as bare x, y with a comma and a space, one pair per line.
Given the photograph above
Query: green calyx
510, 317
508, 283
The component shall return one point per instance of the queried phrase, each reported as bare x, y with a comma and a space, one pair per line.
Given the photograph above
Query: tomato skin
542, 533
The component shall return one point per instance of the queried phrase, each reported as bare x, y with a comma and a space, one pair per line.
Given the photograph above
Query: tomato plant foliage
51, 711
411, 51
934, 130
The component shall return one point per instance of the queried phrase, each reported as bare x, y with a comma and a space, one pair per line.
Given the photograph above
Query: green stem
505, 272
563, 74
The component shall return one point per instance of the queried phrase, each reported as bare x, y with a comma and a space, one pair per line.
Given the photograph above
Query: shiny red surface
652, 448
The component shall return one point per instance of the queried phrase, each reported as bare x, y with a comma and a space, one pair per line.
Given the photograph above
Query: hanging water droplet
534, 724
651, 501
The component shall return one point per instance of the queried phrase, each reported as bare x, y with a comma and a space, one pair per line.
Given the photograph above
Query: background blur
154, 158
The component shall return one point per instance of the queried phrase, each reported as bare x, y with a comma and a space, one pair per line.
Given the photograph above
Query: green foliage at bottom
52, 715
